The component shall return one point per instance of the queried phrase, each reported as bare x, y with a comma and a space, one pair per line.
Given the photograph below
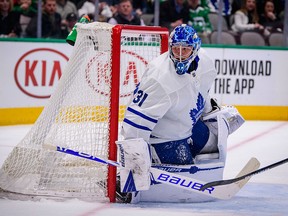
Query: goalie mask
184, 46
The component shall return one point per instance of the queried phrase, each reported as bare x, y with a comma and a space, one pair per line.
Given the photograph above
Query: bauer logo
182, 183
38, 71
99, 67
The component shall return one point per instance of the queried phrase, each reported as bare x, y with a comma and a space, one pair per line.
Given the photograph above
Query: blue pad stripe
129, 184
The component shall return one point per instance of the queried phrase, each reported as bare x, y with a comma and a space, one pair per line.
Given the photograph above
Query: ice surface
266, 194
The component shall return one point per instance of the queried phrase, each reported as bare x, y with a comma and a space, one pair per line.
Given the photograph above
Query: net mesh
77, 117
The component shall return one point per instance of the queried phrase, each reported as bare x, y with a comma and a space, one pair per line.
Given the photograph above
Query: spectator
269, 19
112, 5
140, 6
226, 11
173, 13
247, 19
236, 5
150, 7
198, 18
280, 9
125, 14
9, 25
51, 22
279, 6
111, 2
214, 6
205, 4
64, 7
66, 27
25, 9
89, 8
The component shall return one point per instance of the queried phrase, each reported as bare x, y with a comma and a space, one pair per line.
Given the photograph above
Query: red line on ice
94, 211
257, 136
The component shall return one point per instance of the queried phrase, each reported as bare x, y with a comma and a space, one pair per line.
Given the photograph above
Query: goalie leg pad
135, 161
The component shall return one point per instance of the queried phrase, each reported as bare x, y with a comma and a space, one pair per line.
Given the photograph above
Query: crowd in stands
18, 18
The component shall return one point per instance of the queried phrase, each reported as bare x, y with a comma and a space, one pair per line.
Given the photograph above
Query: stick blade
252, 165
228, 191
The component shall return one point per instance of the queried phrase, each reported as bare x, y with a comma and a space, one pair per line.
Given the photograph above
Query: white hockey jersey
166, 105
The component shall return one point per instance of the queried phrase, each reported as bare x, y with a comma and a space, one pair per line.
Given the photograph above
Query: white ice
266, 194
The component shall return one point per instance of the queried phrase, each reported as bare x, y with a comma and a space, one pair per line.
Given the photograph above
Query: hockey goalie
172, 124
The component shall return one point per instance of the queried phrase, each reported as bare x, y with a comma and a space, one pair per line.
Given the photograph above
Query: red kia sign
37, 72
98, 72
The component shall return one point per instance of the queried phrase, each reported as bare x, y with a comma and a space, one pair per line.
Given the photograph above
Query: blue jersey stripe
136, 125
142, 115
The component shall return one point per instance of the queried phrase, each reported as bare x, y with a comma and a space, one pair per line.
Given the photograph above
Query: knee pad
173, 152
200, 136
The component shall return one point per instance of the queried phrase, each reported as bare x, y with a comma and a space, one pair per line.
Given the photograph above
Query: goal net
84, 114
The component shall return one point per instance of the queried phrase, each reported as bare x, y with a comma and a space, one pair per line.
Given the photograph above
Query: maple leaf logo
196, 112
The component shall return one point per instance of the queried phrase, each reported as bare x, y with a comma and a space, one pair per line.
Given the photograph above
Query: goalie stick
173, 179
242, 177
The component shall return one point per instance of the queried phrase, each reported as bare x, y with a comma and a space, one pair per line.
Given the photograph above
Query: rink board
252, 79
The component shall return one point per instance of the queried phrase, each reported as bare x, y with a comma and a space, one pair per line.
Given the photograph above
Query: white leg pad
135, 160
209, 167
166, 193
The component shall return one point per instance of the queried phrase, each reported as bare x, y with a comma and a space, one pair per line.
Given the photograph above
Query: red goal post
84, 114
116, 45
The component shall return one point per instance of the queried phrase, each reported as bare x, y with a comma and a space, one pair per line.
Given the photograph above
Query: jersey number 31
140, 97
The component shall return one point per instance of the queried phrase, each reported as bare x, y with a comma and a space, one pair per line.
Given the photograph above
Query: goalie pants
181, 152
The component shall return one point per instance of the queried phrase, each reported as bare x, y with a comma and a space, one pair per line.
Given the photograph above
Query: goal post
115, 89
84, 113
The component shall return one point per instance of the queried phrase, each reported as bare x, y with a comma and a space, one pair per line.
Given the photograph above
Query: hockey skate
120, 196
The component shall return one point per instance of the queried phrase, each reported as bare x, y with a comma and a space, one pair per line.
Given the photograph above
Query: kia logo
98, 72
36, 75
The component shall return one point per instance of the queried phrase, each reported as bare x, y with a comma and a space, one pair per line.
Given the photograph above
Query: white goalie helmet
183, 41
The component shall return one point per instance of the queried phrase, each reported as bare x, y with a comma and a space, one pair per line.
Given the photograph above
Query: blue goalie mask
184, 37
